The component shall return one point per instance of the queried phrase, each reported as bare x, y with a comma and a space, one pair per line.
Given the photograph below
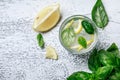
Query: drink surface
74, 36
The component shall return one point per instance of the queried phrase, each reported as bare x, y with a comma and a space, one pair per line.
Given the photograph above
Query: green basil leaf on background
113, 48
99, 14
82, 41
107, 58
93, 61
80, 75
68, 36
103, 72
115, 76
40, 40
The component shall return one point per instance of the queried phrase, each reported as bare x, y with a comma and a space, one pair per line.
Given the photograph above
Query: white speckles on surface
20, 56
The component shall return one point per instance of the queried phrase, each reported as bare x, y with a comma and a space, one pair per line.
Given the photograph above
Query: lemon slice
69, 24
79, 47
91, 40
47, 18
51, 53
78, 28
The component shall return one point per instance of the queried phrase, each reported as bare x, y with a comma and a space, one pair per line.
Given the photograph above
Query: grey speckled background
20, 56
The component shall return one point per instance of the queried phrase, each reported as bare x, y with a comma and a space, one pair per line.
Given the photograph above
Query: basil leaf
113, 48
80, 75
115, 76
88, 27
40, 40
103, 72
82, 41
68, 36
99, 14
107, 58
93, 61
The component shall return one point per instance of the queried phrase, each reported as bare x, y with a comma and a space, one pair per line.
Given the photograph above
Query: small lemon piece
69, 24
77, 47
47, 18
78, 28
51, 53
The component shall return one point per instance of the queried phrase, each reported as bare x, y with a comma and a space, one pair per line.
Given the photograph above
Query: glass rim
84, 50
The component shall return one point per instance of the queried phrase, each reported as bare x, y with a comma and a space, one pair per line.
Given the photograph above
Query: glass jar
85, 50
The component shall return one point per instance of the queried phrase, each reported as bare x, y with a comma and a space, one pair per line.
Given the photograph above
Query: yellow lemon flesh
69, 24
78, 28
47, 18
51, 53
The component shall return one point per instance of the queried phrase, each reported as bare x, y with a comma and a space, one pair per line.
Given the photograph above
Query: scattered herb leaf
99, 14
93, 61
80, 75
40, 40
115, 76
103, 72
104, 64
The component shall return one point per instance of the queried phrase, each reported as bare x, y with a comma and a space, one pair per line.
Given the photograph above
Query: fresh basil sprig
93, 61
115, 76
40, 40
99, 14
104, 64
80, 75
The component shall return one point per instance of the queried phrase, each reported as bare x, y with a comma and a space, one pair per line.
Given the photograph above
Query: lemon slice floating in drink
47, 18
68, 25
79, 47
78, 28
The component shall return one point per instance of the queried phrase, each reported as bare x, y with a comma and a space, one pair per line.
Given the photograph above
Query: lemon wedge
51, 53
47, 18
78, 28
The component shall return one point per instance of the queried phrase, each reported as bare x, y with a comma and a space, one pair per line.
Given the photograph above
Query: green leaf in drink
68, 36
82, 41
88, 27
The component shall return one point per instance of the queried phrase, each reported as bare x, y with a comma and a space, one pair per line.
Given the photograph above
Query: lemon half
47, 18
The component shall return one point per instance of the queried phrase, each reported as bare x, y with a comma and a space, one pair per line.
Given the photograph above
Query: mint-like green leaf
40, 40
99, 14
82, 41
68, 36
